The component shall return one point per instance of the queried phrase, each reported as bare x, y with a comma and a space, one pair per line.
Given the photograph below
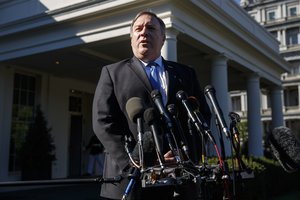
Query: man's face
147, 38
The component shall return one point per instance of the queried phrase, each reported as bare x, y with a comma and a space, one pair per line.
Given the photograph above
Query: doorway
75, 146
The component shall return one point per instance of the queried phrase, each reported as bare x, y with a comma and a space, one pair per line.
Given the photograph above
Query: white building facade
282, 20
51, 54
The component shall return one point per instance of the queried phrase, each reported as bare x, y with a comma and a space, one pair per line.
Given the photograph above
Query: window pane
75, 104
293, 11
271, 15
22, 110
236, 103
292, 36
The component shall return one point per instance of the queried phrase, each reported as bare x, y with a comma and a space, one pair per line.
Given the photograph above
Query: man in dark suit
129, 78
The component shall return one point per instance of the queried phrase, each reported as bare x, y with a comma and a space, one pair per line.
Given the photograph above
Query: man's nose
144, 31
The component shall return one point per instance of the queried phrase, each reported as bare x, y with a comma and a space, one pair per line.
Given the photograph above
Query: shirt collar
158, 61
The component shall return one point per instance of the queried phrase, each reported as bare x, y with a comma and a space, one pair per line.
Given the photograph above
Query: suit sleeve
109, 121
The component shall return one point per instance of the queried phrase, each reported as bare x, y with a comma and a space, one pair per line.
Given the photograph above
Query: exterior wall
59, 118
282, 22
54, 98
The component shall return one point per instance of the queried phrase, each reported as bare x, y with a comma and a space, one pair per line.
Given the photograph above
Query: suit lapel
138, 69
171, 77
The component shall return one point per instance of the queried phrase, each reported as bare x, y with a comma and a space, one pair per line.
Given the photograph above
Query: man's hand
169, 157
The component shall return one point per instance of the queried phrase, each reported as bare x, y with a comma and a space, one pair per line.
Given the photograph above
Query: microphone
135, 109
197, 120
173, 111
195, 107
156, 96
182, 96
235, 118
210, 92
150, 118
286, 148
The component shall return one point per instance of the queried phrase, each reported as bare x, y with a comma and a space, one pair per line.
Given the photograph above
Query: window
236, 103
274, 33
253, 16
291, 96
271, 15
292, 11
22, 115
295, 70
75, 104
292, 36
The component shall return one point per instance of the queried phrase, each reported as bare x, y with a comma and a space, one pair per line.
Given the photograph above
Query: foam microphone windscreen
134, 108
286, 148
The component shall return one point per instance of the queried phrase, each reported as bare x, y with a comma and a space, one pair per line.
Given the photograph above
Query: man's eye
151, 28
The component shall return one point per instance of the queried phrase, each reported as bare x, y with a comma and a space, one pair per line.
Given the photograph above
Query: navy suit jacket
117, 84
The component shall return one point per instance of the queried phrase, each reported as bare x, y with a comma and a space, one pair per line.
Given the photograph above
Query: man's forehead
145, 19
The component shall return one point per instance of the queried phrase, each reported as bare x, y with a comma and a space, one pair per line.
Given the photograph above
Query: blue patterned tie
153, 74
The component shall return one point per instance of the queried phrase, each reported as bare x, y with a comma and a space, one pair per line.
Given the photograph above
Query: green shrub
37, 152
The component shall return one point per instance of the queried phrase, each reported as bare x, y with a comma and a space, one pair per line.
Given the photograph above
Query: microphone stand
225, 165
140, 143
134, 172
221, 140
133, 176
192, 138
182, 140
235, 118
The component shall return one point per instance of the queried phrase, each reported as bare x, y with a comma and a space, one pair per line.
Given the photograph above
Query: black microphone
210, 92
156, 96
195, 107
286, 148
182, 140
151, 119
135, 109
197, 120
182, 97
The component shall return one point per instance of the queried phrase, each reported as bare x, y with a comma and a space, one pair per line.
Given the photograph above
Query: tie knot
152, 64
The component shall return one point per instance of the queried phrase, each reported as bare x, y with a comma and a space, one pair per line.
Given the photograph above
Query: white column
279, 12
263, 15
279, 36
276, 106
169, 50
255, 129
284, 14
259, 18
219, 80
243, 102
283, 37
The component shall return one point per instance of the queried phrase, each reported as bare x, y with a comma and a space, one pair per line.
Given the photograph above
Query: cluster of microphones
165, 125
284, 144
166, 128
